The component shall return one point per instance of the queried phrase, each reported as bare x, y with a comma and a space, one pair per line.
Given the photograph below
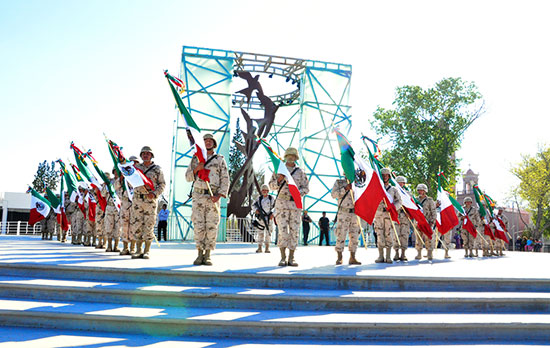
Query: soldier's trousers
479, 242
89, 228
384, 230
347, 224
124, 219
288, 222
143, 218
446, 238
468, 239
427, 241
99, 219
403, 230
264, 236
206, 221
110, 224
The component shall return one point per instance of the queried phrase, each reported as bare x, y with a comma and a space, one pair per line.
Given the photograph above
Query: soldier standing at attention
347, 221
499, 243
128, 239
428, 209
100, 218
110, 223
286, 212
473, 215
205, 213
382, 220
144, 206
404, 227
265, 204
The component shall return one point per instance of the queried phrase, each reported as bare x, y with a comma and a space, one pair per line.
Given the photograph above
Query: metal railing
20, 228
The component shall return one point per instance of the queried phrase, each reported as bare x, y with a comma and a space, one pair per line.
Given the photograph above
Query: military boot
352, 259
471, 254
380, 258
99, 243
115, 245
396, 257
198, 260
430, 255
403, 258
291, 261
339, 259
447, 256
267, 248
419, 255
388, 256
476, 252
87, 240
466, 253
501, 252
109, 245
132, 246
94, 239
125, 250
145, 254
206, 260
137, 254
259, 250
282, 263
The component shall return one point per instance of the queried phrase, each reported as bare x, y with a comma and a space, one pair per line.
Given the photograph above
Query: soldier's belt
347, 210
142, 195
202, 191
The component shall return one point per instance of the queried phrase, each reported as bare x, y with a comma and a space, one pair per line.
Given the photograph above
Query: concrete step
276, 281
272, 299
213, 322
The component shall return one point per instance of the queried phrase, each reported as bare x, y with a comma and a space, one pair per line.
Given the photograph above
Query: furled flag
446, 217
193, 131
414, 211
87, 173
133, 175
500, 229
72, 189
469, 226
92, 204
279, 167
483, 213
487, 229
106, 181
62, 216
368, 191
40, 207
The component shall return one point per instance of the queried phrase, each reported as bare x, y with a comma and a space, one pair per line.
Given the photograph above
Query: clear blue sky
71, 70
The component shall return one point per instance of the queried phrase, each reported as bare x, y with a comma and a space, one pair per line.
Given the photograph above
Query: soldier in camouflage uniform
66, 205
347, 221
89, 224
206, 207
287, 215
52, 225
473, 216
382, 220
500, 244
428, 209
99, 221
144, 206
72, 210
128, 240
111, 224
404, 228
80, 218
264, 205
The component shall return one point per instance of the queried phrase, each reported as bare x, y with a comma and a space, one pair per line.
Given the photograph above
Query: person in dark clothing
324, 226
306, 220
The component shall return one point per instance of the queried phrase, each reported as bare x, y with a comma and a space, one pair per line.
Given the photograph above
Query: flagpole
392, 224
414, 227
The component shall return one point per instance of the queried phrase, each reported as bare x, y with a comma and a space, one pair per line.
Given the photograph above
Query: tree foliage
236, 157
425, 129
534, 188
46, 175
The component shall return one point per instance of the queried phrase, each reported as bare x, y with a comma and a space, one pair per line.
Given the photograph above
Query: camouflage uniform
347, 221
71, 209
385, 233
111, 225
80, 219
205, 214
264, 236
143, 210
99, 221
89, 224
52, 226
124, 218
469, 242
289, 218
429, 211
501, 245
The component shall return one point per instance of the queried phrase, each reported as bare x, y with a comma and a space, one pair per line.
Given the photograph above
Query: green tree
45, 175
534, 188
236, 157
425, 129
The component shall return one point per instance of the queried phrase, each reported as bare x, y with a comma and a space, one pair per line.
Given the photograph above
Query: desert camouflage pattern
385, 234
469, 242
347, 222
428, 209
268, 206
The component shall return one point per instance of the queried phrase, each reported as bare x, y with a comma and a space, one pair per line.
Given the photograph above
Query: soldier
500, 244
265, 205
144, 206
71, 212
206, 202
111, 224
404, 227
347, 221
89, 224
80, 217
66, 205
52, 226
383, 224
428, 209
287, 215
100, 221
128, 239
473, 216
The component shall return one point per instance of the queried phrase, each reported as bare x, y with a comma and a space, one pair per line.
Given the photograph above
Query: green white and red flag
133, 175
500, 229
106, 181
87, 173
193, 131
469, 226
368, 190
72, 189
414, 211
92, 204
446, 216
279, 167
487, 229
62, 216
40, 207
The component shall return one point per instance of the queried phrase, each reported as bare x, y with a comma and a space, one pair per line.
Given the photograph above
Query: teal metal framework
318, 100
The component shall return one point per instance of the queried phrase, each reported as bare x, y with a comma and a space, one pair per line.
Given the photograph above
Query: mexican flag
72, 189
368, 191
487, 229
40, 207
446, 217
414, 211
193, 131
62, 217
106, 181
469, 226
92, 204
87, 173
500, 229
133, 175
279, 167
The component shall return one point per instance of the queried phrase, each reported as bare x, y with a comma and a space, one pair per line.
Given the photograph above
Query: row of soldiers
132, 223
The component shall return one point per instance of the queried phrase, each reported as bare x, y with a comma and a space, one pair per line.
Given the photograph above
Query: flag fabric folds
72, 189
40, 207
133, 175
469, 226
446, 217
414, 211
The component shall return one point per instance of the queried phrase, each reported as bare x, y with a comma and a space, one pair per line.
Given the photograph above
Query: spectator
324, 226
306, 220
163, 222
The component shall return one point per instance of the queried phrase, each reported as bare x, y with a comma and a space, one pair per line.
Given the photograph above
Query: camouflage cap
210, 136
292, 151
133, 158
385, 171
147, 149
468, 199
422, 187
401, 178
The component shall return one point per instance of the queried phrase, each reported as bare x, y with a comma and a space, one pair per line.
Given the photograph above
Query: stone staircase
243, 305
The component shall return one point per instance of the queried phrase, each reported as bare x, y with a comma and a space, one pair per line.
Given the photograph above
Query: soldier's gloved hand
215, 198
199, 167
150, 196
348, 187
